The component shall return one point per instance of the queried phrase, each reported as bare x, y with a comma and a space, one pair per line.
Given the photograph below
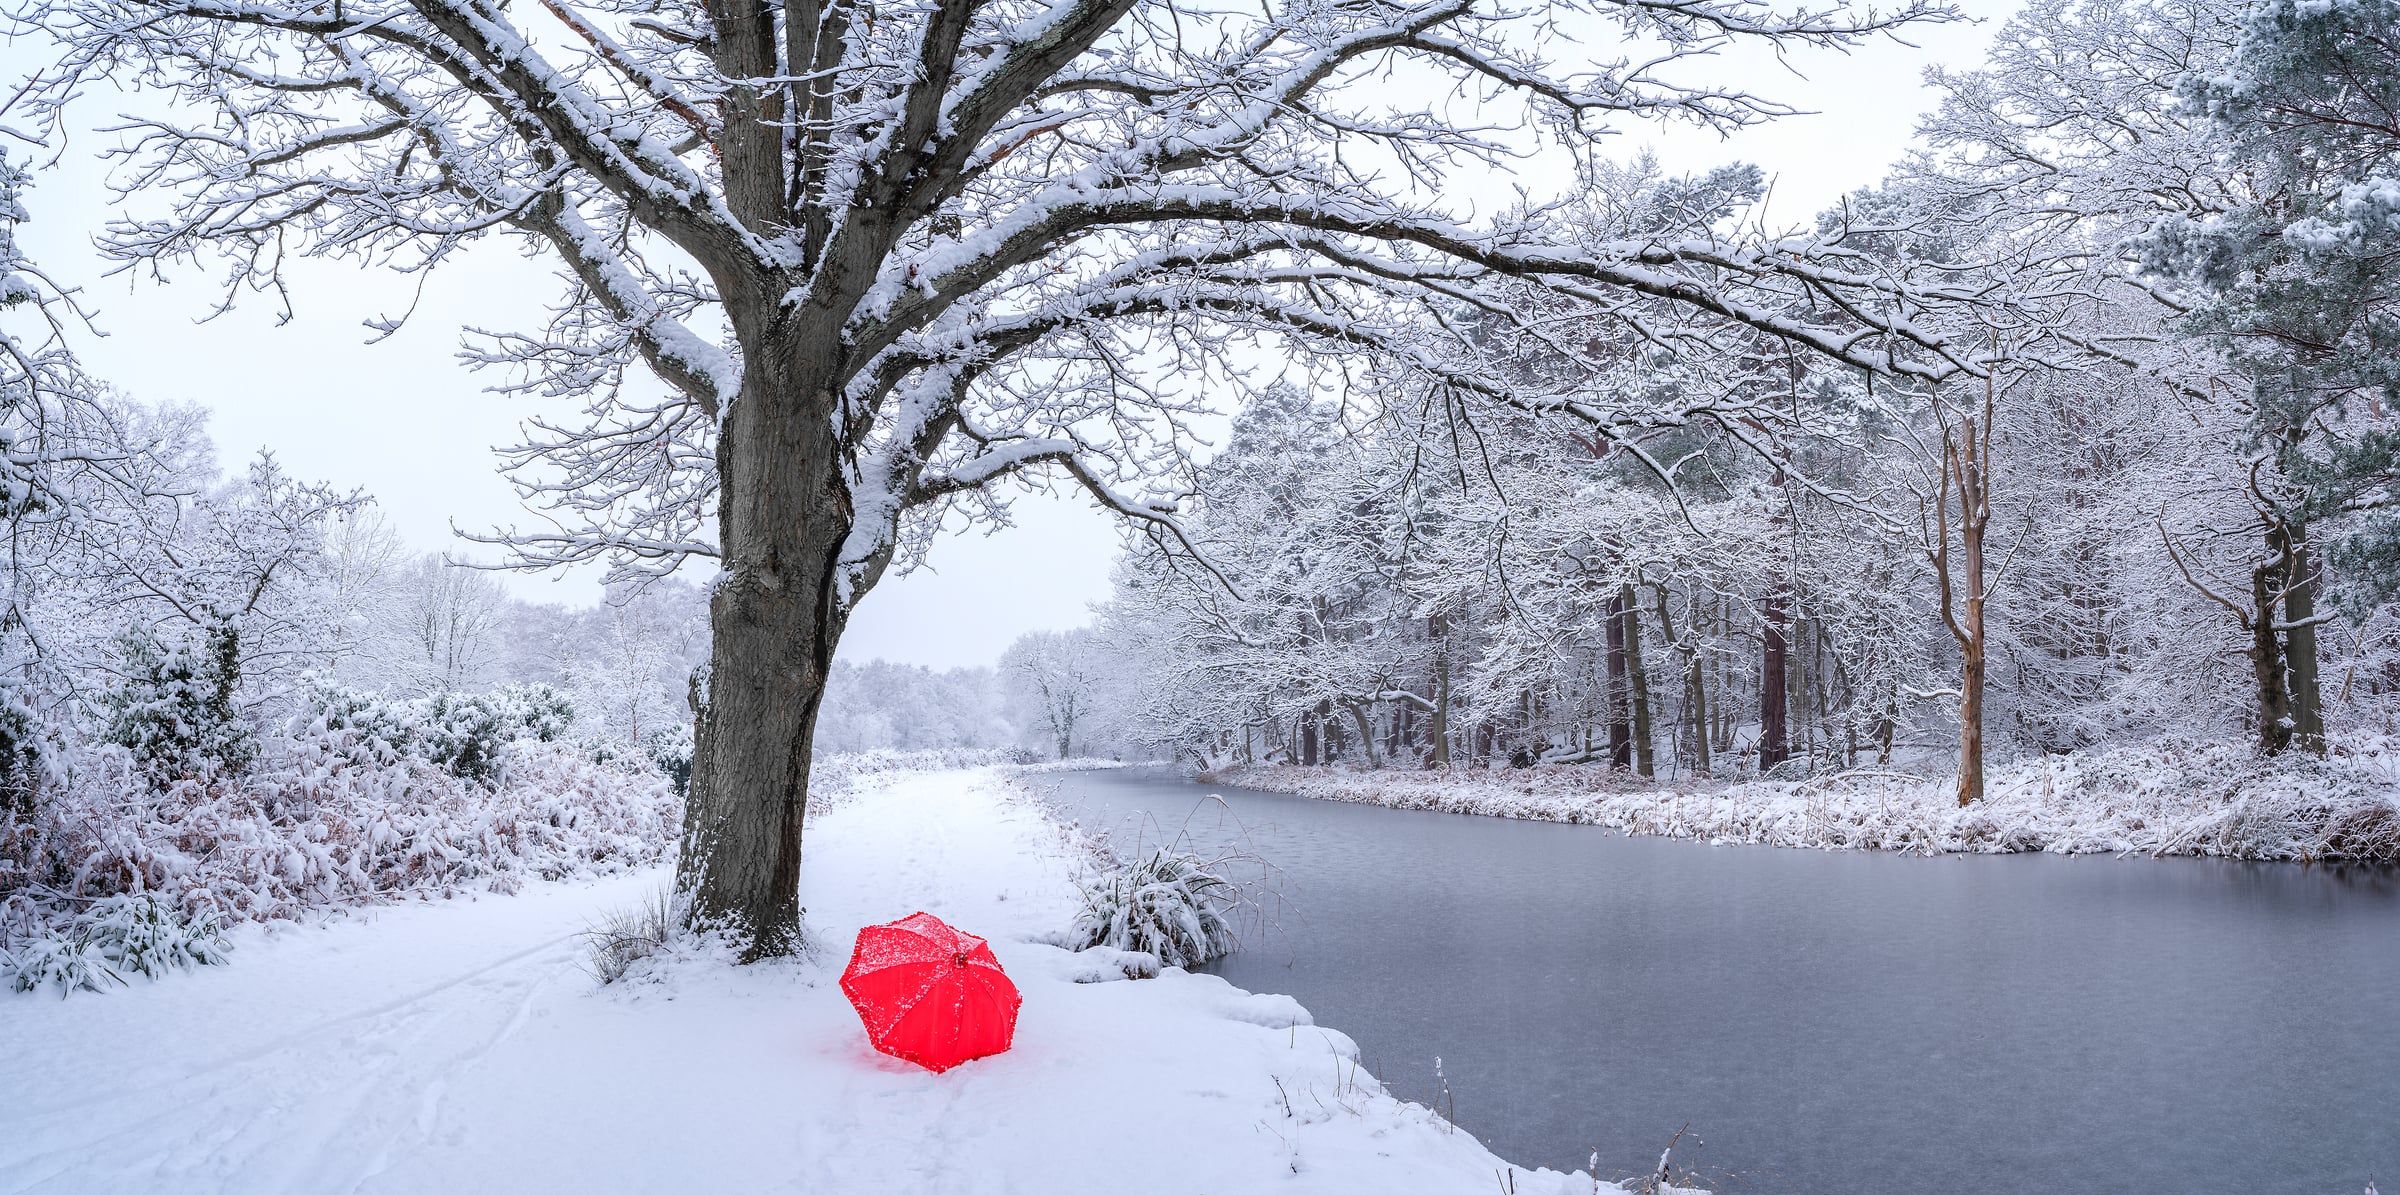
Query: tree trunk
1695, 688
1637, 677
1366, 734
2300, 644
2266, 655
1970, 699
1970, 471
1437, 628
1620, 730
783, 514
1774, 735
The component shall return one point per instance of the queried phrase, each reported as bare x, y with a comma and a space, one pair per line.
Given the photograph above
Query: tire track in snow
353, 1099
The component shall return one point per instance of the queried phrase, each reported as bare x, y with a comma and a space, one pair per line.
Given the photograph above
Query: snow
2167, 797
459, 1045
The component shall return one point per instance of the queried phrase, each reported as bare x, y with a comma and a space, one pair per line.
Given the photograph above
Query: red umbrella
929, 993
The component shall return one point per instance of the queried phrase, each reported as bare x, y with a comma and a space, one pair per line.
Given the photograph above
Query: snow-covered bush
142, 934
58, 960
134, 933
174, 709
669, 749
326, 821
1175, 906
461, 733
26, 767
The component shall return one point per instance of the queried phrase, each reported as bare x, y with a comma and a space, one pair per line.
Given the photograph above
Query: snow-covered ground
461, 1046
2160, 798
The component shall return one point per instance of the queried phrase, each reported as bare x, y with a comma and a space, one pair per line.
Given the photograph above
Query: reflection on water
1831, 1021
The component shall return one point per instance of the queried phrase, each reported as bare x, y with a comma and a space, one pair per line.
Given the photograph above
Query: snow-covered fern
1175, 906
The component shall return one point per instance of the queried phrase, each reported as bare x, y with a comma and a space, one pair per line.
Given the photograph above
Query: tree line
2163, 508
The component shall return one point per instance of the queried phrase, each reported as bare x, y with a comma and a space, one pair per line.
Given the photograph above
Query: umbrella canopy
929, 993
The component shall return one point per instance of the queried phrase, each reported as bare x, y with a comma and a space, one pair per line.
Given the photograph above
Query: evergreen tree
2305, 272
174, 708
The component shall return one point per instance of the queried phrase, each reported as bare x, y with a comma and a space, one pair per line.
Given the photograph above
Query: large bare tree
884, 254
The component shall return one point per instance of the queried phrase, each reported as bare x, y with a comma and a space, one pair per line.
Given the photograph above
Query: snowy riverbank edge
460, 1045
2161, 798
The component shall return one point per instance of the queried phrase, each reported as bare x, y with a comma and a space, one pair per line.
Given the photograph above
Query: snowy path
460, 1047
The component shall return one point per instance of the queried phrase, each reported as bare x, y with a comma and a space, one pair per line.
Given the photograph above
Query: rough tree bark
2300, 642
1629, 615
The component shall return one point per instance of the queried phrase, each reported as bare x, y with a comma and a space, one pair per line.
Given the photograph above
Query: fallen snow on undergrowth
461, 1045
323, 825
2160, 798
331, 822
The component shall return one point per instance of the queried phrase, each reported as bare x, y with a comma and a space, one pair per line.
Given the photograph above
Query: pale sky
406, 422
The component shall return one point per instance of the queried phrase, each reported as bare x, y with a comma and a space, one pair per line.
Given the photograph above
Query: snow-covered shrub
461, 733
133, 933
24, 757
1168, 904
323, 821
67, 962
174, 709
141, 934
669, 749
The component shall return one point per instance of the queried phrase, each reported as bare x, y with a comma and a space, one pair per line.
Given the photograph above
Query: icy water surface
1831, 1021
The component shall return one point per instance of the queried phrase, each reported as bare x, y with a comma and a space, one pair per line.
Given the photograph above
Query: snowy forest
2071, 431
2164, 509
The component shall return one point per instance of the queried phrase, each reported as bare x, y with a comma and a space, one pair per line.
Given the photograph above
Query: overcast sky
405, 421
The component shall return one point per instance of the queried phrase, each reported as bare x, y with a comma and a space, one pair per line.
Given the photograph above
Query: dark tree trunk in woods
1629, 617
2266, 661
1308, 740
1620, 730
1774, 735
2300, 644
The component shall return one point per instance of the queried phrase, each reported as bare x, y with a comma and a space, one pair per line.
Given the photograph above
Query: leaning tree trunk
783, 514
